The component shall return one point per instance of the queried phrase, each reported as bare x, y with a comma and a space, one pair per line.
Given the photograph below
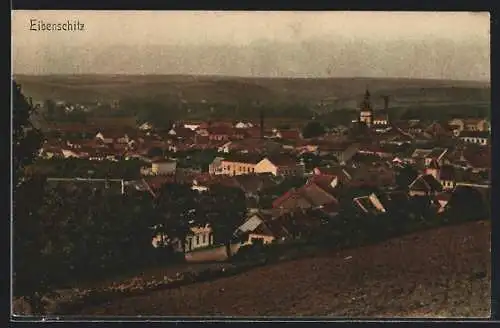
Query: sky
292, 44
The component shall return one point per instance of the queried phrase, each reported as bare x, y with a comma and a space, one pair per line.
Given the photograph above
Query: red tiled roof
221, 124
475, 134
252, 132
221, 130
426, 183
277, 202
324, 181
182, 132
290, 134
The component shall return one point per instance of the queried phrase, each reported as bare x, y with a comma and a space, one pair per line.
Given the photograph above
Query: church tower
366, 110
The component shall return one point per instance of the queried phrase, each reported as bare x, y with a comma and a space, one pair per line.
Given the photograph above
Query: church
375, 119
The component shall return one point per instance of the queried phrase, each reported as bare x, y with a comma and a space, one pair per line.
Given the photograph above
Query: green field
337, 92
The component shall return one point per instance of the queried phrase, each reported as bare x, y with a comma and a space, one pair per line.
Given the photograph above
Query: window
197, 240
204, 238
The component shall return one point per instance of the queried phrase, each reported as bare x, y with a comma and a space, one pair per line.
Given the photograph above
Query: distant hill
335, 92
440, 272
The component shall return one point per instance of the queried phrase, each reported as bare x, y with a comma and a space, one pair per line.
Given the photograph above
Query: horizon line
247, 77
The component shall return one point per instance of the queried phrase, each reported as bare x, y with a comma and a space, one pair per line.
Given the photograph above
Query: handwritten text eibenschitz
69, 25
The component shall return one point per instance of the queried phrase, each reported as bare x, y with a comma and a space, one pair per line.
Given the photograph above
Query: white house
280, 166
161, 167
145, 126
225, 147
243, 125
69, 153
475, 137
216, 166
191, 126
199, 237
198, 187
101, 137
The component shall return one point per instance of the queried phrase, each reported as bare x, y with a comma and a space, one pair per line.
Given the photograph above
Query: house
193, 126
415, 127
243, 125
255, 132
282, 165
381, 118
374, 149
239, 164
341, 173
436, 154
160, 167
477, 158
245, 232
146, 126
447, 177
181, 132
475, 137
200, 237
223, 133
216, 166
275, 227
471, 124
250, 145
67, 153
370, 204
288, 134
342, 151
446, 174
437, 130
268, 232
425, 185
375, 174
318, 192
441, 200
105, 140
197, 238
225, 148
50, 150
426, 156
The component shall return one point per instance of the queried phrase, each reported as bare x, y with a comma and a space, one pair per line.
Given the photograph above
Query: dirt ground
444, 272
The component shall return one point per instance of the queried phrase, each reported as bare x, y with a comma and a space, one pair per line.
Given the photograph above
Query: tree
178, 208
29, 279
224, 209
313, 129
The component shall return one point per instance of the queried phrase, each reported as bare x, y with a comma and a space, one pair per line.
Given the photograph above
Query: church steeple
366, 104
367, 95
366, 111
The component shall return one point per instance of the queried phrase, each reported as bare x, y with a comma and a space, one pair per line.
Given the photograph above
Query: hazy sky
256, 43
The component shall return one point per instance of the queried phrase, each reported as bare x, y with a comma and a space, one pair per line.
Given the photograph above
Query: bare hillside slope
441, 272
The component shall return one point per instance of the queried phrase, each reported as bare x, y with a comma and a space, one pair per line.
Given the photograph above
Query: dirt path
443, 271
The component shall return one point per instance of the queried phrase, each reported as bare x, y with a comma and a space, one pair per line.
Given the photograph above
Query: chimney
262, 124
386, 102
